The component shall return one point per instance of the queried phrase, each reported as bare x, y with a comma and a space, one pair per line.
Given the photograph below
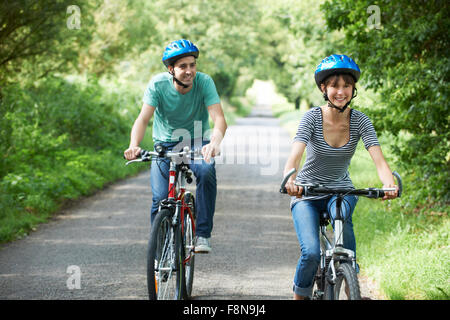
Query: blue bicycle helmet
336, 63
179, 49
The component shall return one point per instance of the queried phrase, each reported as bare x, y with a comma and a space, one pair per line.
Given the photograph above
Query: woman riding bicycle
329, 134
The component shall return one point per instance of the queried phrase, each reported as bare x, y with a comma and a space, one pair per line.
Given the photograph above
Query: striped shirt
324, 164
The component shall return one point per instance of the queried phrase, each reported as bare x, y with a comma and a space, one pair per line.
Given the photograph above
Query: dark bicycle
170, 256
336, 277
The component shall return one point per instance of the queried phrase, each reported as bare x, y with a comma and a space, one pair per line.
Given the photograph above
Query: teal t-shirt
179, 116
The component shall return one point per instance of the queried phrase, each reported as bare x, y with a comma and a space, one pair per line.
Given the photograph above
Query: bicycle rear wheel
189, 244
164, 259
346, 286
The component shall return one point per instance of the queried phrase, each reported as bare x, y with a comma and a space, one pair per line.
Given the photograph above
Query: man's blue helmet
336, 63
177, 50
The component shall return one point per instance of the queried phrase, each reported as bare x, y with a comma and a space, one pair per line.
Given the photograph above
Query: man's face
185, 69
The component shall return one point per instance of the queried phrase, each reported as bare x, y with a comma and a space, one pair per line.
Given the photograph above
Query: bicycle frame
178, 173
334, 250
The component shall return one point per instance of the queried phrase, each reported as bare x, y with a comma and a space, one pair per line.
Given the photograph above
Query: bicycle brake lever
131, 161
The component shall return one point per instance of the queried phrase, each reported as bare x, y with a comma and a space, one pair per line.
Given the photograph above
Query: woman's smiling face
339, 90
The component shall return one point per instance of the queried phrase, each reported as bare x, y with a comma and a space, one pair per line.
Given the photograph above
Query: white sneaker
202, 245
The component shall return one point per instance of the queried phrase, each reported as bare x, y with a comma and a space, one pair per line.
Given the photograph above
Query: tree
294, 41
37, 37
123, 30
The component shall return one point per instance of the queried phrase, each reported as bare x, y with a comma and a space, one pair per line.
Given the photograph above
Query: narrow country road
96, 249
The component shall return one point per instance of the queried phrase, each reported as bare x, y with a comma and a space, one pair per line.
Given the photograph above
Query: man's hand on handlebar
132, 153
209, 151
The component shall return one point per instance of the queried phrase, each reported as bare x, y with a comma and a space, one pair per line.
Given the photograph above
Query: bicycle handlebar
146, 155
316, 189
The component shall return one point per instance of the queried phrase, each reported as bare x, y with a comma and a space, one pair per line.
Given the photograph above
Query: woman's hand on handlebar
292, 189
390, 194
132, 153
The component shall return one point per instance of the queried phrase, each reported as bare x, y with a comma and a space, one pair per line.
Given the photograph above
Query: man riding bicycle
181, 101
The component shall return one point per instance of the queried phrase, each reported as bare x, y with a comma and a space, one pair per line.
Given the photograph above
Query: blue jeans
205, 174
306, 222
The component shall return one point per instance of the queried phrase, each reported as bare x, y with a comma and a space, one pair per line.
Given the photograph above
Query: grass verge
407, 253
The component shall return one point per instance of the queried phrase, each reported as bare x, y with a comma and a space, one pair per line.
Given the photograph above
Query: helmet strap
178, 81
341, 110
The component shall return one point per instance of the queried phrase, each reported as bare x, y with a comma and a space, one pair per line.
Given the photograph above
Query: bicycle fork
325, 250
333, 252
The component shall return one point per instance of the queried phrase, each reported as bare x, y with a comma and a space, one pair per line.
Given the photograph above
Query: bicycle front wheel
347, 285
164, 259
189, 244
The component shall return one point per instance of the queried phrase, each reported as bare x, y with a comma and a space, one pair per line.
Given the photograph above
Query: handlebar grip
141, 154
304, 190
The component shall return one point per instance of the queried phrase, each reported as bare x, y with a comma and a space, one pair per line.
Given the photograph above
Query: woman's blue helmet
336, 63
179, 49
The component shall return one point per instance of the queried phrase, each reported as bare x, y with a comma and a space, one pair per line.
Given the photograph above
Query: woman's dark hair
334, 78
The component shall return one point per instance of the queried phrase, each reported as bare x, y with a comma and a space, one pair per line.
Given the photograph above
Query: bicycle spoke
165, 290
167, 274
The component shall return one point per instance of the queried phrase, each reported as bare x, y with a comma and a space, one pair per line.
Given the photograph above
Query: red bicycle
170, 255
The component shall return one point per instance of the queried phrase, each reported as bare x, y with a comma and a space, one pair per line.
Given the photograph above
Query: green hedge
60, 140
